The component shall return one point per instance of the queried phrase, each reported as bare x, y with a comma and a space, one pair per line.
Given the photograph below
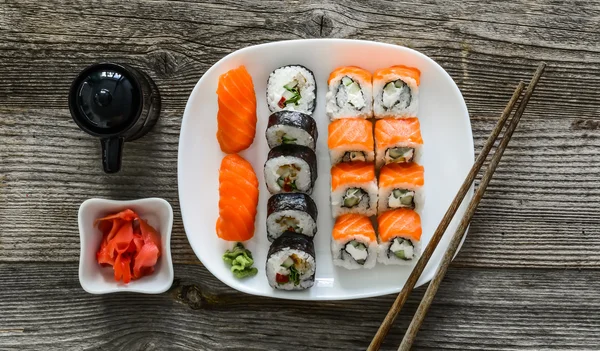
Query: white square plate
447, 157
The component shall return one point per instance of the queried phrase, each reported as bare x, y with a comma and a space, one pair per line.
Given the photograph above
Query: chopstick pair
417, 320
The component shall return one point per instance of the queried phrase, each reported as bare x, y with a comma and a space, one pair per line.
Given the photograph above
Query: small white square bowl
96, 279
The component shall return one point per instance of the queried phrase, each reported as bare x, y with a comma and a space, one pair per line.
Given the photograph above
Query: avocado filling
349, 92
394, 93
357, 250
289, 223
402, 248
351, 156
287, 177
353, 197
401, 198
291, 269
399, 154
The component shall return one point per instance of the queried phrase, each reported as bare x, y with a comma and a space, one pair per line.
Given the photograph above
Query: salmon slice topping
391, 131
238, 197
399, 174
394, 72
236, 118
352, 172
402, 222
351, 224
351, 132
352, 72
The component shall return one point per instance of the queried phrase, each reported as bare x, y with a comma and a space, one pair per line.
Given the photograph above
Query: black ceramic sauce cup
115, 103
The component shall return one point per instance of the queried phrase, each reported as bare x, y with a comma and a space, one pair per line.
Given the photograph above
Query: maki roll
291, 262
399, 236
353, 189
354, 244
291, 169
351, 139
350, 93
292, 88
396, 92
291, 212
397, 140
291, 127
400, 186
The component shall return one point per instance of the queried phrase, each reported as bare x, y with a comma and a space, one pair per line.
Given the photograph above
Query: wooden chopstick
441, 229
417, 320
437, 235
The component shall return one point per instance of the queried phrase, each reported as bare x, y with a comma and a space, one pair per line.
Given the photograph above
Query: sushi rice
291, 88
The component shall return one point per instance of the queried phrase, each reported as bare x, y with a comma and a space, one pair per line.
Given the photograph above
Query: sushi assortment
290, 174
374, 143
373, 168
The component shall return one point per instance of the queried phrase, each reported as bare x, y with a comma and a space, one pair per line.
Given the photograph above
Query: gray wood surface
526, 277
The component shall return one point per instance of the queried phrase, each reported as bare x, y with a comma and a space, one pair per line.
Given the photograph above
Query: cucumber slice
291, 85
287, 263
353, 88
347, 81
399, 193
389, 88
288, 140
407, 200
400, 254
399, 84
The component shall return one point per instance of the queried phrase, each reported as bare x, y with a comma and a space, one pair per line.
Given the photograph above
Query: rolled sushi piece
351, 139
291, 262
396, 92
354, 244
399, 236
292, 88
397, 140
350, 93
400, 186
291, 169
291, 127
353, 189
292, 212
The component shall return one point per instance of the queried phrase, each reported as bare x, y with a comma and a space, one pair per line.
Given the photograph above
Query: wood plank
48, 167
485, 50
475, 309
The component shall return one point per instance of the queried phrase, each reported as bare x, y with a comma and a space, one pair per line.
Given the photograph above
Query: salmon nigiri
396, 92
397, 140
349, 93
351, 139
238, 197
236, 118
399, 236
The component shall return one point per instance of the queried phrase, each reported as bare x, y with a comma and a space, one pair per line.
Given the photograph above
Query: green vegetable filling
353, 197
400, 154
291, 263
289, 223
402, 248
350, 156
240, 260
287, 177
401, 198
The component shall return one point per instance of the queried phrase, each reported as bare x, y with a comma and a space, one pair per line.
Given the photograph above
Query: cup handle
112, 148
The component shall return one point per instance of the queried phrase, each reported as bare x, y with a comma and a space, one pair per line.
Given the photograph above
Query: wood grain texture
475, 309
515, 285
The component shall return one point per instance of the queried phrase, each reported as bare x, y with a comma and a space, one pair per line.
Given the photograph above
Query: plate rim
423, 279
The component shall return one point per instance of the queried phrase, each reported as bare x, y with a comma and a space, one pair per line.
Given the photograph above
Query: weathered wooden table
526, 278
